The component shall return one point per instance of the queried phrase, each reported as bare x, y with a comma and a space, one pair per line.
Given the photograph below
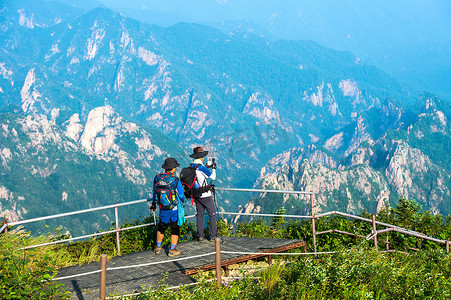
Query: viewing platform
130, 277
129, 273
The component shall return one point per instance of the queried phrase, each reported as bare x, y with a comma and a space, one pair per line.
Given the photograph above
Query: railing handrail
138, 201
263, 191
367, 220
394, 227
77, 212
86, 236
265, 215
94, 235
379, 223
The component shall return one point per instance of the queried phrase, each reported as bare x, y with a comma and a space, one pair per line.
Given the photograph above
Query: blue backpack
166, 190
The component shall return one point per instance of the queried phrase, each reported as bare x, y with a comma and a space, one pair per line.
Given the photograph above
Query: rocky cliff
367, 174
77, 164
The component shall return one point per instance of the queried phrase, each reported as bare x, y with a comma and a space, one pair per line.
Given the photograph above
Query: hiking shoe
173, 252
201, 240
212, 239
157, 250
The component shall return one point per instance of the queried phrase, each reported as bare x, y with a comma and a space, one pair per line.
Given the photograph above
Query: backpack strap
195, 169
195, 166
195, 179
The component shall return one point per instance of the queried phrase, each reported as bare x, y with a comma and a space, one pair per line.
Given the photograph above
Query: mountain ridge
242, 97
382, 170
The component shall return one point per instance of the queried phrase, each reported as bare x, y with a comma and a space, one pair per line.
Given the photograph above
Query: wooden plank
244, 258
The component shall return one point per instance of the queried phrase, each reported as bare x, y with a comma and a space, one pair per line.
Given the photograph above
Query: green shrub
27, 274
357, 273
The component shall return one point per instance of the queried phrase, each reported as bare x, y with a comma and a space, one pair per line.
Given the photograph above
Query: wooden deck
126, 281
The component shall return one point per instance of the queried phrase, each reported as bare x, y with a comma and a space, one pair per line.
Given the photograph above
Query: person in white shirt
205, 201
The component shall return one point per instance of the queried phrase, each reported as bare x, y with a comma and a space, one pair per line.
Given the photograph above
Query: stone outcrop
369, 174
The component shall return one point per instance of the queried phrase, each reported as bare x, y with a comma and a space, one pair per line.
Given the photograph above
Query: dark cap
198, 152
170, 163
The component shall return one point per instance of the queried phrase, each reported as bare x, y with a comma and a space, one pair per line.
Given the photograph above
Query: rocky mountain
187, 79
358, 170
123, 95
47, 169
410, 40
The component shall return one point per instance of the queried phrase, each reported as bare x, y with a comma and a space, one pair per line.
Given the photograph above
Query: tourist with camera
204, 200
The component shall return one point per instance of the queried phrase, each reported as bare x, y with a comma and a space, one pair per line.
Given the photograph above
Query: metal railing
263, 191
312, 217
372, 235
117, 230
310, 194
78, 212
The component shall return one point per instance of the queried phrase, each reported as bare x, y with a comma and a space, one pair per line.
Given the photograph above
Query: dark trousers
208, 204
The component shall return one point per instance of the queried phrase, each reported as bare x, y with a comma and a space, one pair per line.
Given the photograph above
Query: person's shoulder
204, 169
159, 175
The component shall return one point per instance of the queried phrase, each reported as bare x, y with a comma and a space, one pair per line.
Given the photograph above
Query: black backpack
166, 190
190, 185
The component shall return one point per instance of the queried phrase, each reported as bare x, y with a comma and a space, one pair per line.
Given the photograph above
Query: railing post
313, 222
218, 261
373, 219
102, 292
387, 243
4, 227
118, 243
154, 218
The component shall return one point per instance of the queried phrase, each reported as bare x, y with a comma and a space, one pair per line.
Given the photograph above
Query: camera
211, 163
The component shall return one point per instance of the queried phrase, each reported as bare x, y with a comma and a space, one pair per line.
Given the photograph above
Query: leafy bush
26, 274
358, 273
364, 273
361, 272
407, 214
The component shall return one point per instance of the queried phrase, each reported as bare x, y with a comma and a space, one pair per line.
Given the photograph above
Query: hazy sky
400, 20
404, 37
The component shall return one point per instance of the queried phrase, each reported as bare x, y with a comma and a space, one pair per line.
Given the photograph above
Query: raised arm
207, 172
